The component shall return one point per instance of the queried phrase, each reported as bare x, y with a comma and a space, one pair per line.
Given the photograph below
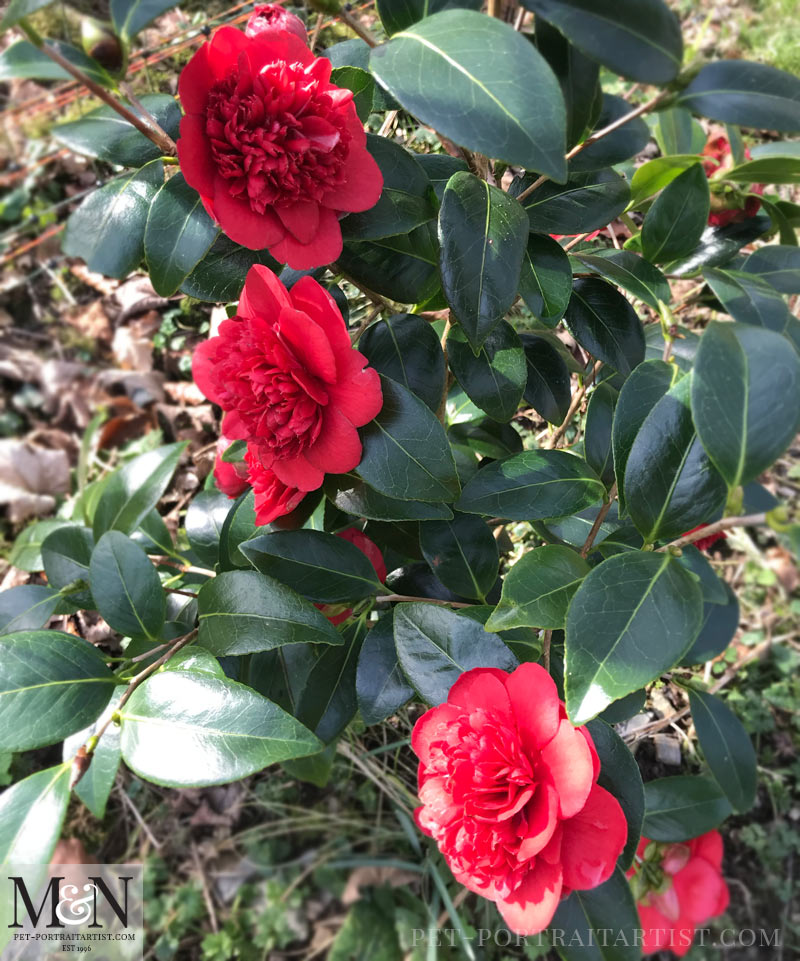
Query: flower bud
272, 19
101, 43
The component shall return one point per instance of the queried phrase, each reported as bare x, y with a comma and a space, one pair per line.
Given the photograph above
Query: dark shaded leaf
673, 226
545, 282
726, 747
585, 202
405, 347
495, 379
381, 686
603, 322
682, 807
547, 389
126, 587
462, 553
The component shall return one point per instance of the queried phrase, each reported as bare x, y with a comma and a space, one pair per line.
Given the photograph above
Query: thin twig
395, 598
547, 637
574, 405
598, 521
209, 901
356, 26
747, 520
358, 331
139, 819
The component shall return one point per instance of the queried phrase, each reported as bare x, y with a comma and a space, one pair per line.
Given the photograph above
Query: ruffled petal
593, 840
312, 298
309, 344
534, 698
569, 762
241, 223
432, 727
324, 248
300, 218
480, 689
337, 450
205, 371
298, 472
194, 155
533, 904
263, 295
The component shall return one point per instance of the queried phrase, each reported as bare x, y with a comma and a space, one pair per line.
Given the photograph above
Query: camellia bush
270, 624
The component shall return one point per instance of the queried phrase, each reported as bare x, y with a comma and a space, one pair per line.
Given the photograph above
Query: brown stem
448, 378
160, 137
574, 405
747, 520
598, 521
358, 331
357, 27
547, 637
395, 598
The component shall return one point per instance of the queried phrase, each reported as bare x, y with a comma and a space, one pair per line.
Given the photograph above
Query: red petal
242, 224
592, 751
205, 370
196, 79
194, 155
358, 394
569, 760
480, 689
542, 821
309, 296
709, 846
534, 903
593, 840
324, 248
368, 547
363, 186
700, 889
657, 930
298, 472
337, 450
534, 698
224, 49
301, 219
263, 294
286, 46
431, 727
308, 343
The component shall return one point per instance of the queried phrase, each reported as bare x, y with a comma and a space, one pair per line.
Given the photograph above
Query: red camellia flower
231, 479
291, 385
271, 19
273, 498
677, 887
274, 149
509, 793
704, 543
718, 152
373, 553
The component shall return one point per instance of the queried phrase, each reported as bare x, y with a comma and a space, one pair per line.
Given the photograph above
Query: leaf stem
574, 405
746, 520
356, 26
149, 128
598, 521
393, 598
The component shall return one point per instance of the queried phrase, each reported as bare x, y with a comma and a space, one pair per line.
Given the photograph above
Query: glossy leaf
95, 786
404, 268
134, 490
603, 322
66, 553
470, 78
713, 588
674, 224
361, 83
656, 174
435, 646
494, 379
779, 266
545, 282
538, 588
718, 245
241, 612
321, 567
482, 237
328, 700
22, 60
585, 202
749, 299
405, 347
612, 650
767, 170
726, 747
220, 275
179, 231
405, 201
547, 388
533, 485
720, 623
31, 815
52, 685
381, 686
405, 451
746, 94
640, 39
104, 134
631, 272
462, 553
614, 148
439, 168
26, 554
107, 229
397, 15
204, 521
682, 807
126, 587
190, 729
671, 486
597, 432
351, 495
27, 607
745, 398
131, 16
675, 132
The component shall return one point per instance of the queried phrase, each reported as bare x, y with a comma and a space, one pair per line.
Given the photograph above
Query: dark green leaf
670, 484
95, 786
779, 266
749, 299
22, 60
597, 432
612, 650
767, 170
328, 701
179, 232
397, 15
640, 39
439, 168
241, 612
585, 202
656, 174
381, 686
126, 587
435, 646
66, 553
321, 567
27, 607
713, 588
484, 437
31, 815
470, 78
640, 393
405, 347
720, 623
675, 132
239, 526
619, 774
134, 490
362, 85
404, 268
547, 389
107, 229
405, 451
369, 932
620, 145
625, 708
601, 924
191, 729
462, 553
603, 322
533, 485
726, 747
683, 807
545, 282
204, 522
747, 94
718, 245
538, 588
131, 16
220, 275
496, 378
17, 9
351, 495
26, 554
575, 529
52, 685
674, 224
482, 233
405, 202
104, 134
631, 272
745, 398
